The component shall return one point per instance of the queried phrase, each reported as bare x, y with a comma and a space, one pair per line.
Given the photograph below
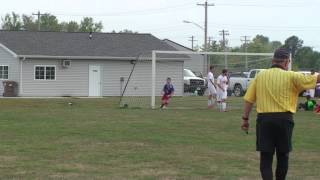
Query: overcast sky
163, 18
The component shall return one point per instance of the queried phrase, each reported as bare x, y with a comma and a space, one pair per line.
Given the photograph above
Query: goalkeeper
167, 93
309, 105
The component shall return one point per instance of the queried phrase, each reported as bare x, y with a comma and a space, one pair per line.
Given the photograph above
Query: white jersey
223, 82
210, 77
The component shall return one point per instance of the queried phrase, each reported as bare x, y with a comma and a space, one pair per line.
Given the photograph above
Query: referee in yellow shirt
275, 92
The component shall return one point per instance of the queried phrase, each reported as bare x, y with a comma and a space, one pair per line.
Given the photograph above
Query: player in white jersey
222, 86
211, 88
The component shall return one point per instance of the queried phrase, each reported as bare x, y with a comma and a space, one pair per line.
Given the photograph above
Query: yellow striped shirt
277, 90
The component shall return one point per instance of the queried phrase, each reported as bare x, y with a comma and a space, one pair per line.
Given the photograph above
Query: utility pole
192, 41
224, 33
205, 22
246, 40
39, 15
210, 39
206, 64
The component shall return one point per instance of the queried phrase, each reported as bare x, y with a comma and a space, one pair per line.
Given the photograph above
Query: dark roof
79, 44
170, 41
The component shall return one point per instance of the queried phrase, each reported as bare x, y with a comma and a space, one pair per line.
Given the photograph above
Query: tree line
49, 22
304, 57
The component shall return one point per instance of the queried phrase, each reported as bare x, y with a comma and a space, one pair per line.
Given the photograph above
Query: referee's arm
250, 99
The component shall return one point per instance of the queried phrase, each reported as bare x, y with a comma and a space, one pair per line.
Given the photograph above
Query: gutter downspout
21, 84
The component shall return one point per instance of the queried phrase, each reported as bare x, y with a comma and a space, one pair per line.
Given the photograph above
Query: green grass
93, 139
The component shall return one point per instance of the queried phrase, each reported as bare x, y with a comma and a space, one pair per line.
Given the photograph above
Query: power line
131, 13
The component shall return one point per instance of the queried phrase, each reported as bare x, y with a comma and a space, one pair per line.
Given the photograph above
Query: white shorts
212, 90
221, 95
311, 93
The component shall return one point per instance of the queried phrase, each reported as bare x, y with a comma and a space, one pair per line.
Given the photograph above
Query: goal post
157, 52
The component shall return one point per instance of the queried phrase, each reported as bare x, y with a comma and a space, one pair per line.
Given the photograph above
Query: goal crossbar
154, 59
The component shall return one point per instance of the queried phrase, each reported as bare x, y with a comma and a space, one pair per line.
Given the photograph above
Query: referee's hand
245, 124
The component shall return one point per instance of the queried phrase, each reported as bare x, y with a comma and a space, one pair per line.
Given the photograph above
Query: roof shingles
79, 44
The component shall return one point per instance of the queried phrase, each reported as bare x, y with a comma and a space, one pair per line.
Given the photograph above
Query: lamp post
205, 58
202, 28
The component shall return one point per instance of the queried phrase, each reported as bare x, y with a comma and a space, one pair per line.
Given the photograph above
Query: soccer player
311, 92
309, 105
211, 88
167, 93
275, 91
222, 86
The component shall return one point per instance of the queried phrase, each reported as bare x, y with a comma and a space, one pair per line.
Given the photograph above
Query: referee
275, 91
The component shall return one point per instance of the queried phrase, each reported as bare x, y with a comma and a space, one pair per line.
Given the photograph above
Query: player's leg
167, 101
210, 100
163, 99
224, 101
213, 97
219, 100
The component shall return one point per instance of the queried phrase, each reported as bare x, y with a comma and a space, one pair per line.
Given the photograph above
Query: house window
45, 73
4, 72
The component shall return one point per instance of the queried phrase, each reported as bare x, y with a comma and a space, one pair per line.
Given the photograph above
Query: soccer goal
188, 72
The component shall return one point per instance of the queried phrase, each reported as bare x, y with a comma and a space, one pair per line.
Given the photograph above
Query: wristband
245, 119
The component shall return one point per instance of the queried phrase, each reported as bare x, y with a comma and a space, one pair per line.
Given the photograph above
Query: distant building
83, 64
196, 62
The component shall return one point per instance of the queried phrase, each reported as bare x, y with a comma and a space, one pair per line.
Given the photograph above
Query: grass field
94, 139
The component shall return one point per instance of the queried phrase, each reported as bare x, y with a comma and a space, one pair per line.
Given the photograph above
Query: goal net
143, 88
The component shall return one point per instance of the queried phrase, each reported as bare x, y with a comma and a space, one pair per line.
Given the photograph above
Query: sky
275, 19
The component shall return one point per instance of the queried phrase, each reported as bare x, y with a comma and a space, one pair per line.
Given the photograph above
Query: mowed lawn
94, 139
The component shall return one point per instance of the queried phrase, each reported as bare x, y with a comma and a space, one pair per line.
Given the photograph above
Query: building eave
8, 50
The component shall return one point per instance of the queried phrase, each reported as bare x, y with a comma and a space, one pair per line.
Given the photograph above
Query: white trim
153, 80
95, 58
20, 88
8, 50
34, 72
8, 72
214, 53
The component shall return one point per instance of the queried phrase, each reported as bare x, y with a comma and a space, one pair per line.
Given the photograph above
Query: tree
29, 23
11, 22
307, 58
88, 25
71, 26
259, 44
49, 22
128, 31
294, 44
275, 45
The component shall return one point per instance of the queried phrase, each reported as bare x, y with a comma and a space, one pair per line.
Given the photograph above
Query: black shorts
274, 132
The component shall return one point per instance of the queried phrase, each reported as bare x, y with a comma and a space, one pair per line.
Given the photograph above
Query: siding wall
74, 81
7, 59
